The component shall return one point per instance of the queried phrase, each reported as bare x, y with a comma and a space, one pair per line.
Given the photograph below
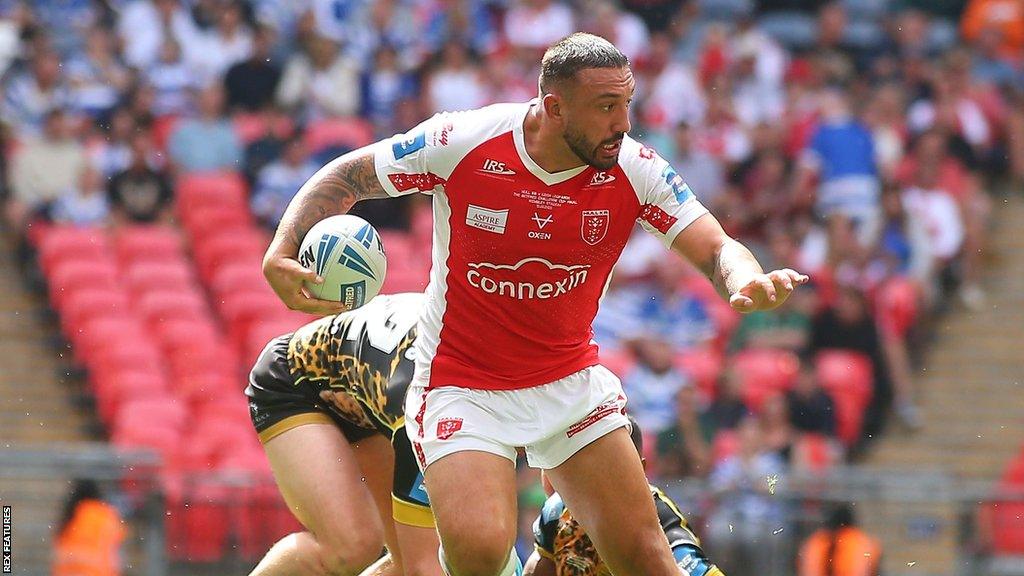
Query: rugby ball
347, 253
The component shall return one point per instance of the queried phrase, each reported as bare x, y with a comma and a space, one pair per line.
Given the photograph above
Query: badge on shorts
446, 427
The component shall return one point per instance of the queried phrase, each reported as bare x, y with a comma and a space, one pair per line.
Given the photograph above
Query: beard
588, 152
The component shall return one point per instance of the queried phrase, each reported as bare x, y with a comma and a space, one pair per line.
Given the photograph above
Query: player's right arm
332, 190
357, 175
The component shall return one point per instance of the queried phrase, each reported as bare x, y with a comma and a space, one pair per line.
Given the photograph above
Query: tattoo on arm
332, 190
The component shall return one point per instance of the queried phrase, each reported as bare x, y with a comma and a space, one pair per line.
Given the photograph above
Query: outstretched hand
286, 276
767, 291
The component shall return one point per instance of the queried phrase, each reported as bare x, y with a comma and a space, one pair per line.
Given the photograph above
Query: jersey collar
543, 175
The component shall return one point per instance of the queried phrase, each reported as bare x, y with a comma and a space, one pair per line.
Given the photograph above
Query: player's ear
553, 106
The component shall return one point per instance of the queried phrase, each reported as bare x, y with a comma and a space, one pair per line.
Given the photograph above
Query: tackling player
564, 549
326, 402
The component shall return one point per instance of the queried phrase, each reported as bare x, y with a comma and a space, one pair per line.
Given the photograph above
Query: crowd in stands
853, 140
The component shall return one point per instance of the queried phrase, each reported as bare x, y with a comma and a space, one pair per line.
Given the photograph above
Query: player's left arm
733, 269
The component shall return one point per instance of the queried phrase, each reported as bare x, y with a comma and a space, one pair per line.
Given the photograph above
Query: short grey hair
575, 52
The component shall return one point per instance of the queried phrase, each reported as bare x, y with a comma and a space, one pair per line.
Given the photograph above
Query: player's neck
545, 146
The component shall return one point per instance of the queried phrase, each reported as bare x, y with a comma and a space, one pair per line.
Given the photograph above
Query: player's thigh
319, 476
473, 497
418, 546
604, 486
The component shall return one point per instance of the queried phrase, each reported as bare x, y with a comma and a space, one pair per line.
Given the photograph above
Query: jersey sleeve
422, 159
406, 163
546, 525
667, 205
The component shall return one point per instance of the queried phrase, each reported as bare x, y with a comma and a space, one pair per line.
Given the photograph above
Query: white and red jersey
521, 257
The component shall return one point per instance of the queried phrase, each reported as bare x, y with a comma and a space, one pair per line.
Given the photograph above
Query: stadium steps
971, 389
36, 408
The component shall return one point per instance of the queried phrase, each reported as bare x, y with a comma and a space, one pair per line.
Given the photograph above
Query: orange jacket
854, 554
1007, 16
90, 543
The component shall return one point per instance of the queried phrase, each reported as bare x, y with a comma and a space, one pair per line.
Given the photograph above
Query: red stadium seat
350, 133
252, 127
203, 221
211, 189
245, 247
83, 305
241, 309
160, 410
725, 444
200, 387
262, 518
71, 243
703, 367
162, 305
70, 276
262, 331
93, 336
1007, 517
175, 334
148, 243
198, 524
124, 386
175, 274
137, 353
405, 280
848, 378
237, 277
399, 246
764, 371
896, 306
619, 361
815, 452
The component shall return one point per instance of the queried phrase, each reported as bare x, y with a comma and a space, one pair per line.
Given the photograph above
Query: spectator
720, 134
668, 90
624, 29
927, 201
533, 25
989, 65
777, 428
85, 204
728, 407
90, 534
29, 97
653, 380
146, 26
250, 85
840, 548
320, 83
886, 119
278, 182
383, 86
811, 410
684, 448
385, 23
171, 80
112, 153
467, 20
43, 169
842, 153
96, 78
140, 194
229, 43
904, 243
208, 142
267, 147
1003, 16
336, 19
848, 325
703, 173
456, 84
66, 22
744, 529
